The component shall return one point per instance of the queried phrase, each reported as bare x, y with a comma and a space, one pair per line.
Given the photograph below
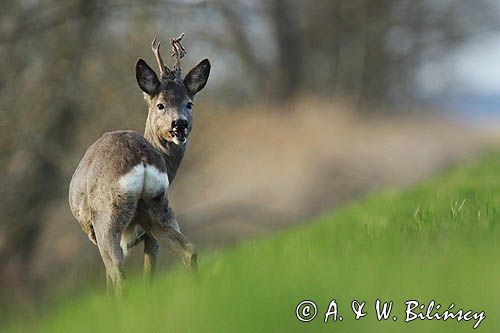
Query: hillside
437, 240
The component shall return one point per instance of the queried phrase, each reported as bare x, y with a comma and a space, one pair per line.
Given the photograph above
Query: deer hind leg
164, 227
108, 234
151, 248
108, 242
182, 247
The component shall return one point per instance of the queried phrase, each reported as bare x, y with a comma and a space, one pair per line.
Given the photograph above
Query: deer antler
164, 70
179, 52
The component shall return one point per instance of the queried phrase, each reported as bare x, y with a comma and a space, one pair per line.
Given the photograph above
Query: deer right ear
197, 77
146, 78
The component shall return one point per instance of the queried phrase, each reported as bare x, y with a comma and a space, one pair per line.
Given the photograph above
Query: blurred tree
43, 125
285, 22
367, 49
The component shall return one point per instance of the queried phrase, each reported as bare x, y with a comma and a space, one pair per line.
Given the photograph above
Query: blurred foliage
66, 75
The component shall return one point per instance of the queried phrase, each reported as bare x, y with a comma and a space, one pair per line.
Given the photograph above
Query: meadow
435, 240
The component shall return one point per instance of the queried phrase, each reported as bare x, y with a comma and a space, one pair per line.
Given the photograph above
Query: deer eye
160, 106
189, 105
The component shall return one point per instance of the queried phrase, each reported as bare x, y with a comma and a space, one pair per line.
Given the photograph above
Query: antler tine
156, 50
179, 52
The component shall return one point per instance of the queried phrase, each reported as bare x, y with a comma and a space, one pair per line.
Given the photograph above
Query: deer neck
172, 154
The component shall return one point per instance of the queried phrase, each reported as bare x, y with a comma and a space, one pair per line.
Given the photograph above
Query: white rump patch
144, 181
133, 181
155, 181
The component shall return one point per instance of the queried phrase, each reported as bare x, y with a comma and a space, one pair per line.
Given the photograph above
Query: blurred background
310, 104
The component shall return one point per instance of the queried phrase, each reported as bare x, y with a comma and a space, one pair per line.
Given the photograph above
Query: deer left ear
146, 78
197, 77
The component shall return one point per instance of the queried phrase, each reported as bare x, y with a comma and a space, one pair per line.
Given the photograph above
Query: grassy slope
420, 243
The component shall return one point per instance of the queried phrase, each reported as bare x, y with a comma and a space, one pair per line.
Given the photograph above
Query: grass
438, 240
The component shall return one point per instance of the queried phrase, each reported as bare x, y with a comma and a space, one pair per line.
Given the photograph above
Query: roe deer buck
118, 192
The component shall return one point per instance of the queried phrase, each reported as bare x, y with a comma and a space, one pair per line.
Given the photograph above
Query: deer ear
197, 77
146, 77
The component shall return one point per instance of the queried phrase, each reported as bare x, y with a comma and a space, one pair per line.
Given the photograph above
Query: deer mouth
178, 135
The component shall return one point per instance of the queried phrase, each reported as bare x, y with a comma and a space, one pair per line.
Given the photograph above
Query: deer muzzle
179, 131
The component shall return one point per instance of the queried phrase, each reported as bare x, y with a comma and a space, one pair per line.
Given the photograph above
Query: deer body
118, 192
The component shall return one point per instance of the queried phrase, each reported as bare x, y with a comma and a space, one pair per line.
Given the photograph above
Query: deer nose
180, 124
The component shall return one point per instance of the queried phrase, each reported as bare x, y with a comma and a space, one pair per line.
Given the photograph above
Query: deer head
170, 97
